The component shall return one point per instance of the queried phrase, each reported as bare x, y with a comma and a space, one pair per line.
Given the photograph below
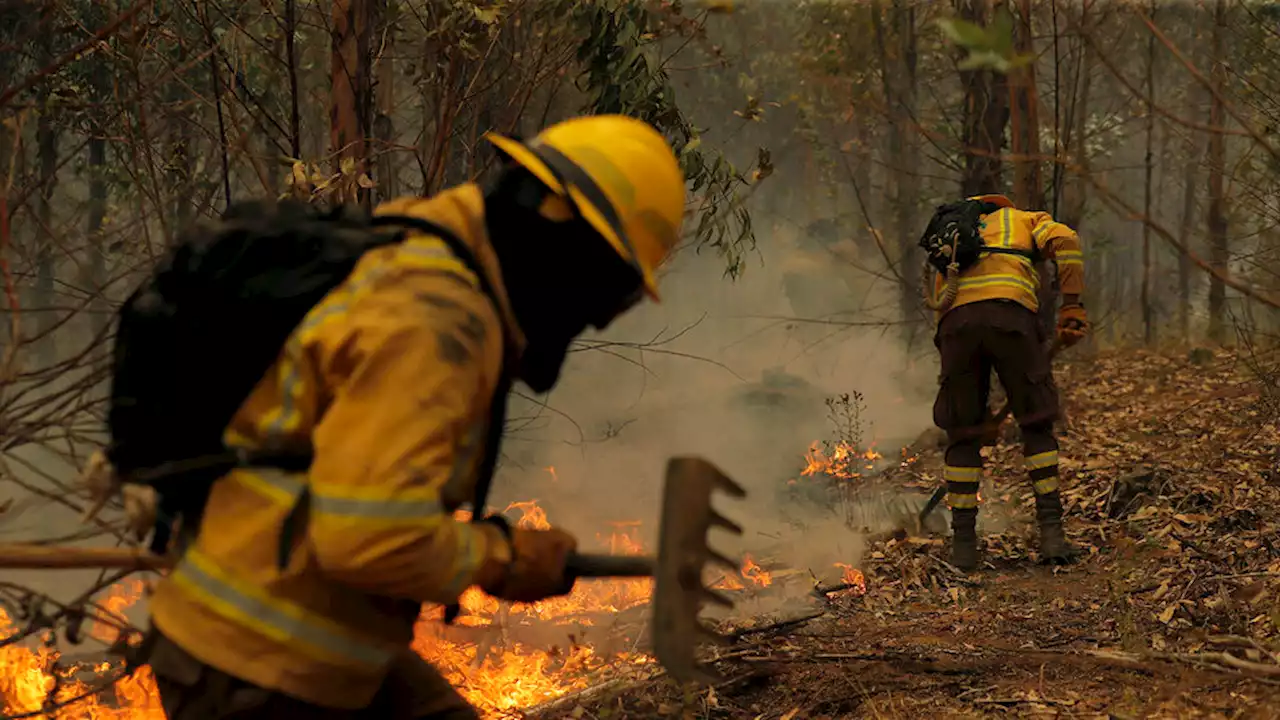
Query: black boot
1054, 547
964, 539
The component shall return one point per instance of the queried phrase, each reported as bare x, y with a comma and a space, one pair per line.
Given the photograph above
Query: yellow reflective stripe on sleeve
396, 505
435, 255
278, 486
285, 418
1006, 217
1042, 460
1045, 486
414, 506
278, 619
959, 501
961, 474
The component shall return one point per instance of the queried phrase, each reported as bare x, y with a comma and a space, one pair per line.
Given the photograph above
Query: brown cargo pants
973, 340
191, 690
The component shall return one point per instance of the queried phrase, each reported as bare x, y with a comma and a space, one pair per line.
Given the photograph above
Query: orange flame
845, 461
506, 676
853, 576
756, 574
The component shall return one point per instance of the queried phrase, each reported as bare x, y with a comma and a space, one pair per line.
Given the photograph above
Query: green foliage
622, 73
988, 47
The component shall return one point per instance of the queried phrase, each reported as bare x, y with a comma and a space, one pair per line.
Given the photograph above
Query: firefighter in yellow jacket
992, 324
389, 378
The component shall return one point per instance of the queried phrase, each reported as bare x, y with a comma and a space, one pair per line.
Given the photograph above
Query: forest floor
1172, 483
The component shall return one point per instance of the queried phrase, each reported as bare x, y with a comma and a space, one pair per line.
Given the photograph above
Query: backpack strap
297, 515
498, 406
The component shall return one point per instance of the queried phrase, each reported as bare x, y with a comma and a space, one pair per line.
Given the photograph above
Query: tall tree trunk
42, 303
1185, 267
384, 91
350, 93
291, 67
94, 269
898, 76
1217, 220
178, 129
1075, 135
1024, 133
1148, 272
986, 112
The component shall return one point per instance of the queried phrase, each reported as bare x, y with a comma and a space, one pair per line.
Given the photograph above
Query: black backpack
957, 225
199, 334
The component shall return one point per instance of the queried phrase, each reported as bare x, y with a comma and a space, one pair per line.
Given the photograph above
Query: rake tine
725, 483
718, 520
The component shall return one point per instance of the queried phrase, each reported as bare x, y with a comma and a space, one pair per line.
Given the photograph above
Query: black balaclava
561, 277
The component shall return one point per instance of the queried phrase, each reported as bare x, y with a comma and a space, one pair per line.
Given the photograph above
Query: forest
794, 345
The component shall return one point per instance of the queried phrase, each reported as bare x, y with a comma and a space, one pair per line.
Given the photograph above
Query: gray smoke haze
717, 357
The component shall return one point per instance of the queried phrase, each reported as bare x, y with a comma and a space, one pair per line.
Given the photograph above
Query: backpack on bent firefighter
198, 335
953, 243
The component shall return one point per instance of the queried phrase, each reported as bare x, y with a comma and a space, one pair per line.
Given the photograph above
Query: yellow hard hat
622, 176
1000, 200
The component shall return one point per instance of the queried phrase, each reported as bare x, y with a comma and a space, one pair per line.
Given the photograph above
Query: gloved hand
537, 570
1073, 324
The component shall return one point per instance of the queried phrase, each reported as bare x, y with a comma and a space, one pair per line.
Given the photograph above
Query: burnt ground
1172, 478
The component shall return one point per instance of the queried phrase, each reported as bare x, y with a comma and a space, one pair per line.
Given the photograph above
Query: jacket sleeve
412, 367
1060, 244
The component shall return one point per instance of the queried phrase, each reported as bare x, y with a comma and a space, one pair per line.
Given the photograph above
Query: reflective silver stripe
279, 623
390, 509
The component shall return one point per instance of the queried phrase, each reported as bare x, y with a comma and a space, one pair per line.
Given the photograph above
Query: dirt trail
1172, 489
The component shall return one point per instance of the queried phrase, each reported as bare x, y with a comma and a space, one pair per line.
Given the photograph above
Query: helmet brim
523, 156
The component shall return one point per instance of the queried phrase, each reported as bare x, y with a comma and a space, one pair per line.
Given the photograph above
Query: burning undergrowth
502, 656
506, 657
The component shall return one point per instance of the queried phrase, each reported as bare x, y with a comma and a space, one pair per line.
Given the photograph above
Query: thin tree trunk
291, 66
1024, 132
1217, 219
94, 269
47, 157
349, 95
1148, 310
384, 90
1075, 137
898, 77
986, 112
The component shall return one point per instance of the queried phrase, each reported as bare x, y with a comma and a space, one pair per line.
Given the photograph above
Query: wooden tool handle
22, 556
607, 566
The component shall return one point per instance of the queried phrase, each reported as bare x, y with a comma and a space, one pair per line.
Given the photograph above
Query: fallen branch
566, 703
778, 625
824, 590
24, 556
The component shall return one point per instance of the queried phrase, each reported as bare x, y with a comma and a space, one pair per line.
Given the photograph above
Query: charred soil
1173, 611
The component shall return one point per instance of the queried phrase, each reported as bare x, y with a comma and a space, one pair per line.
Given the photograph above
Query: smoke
715, 370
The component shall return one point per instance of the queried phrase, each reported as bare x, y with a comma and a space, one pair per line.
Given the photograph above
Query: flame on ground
493, 672
853, 576
841, 460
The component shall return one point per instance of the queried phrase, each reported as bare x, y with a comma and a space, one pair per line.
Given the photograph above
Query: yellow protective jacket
390, 378
1004, 276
